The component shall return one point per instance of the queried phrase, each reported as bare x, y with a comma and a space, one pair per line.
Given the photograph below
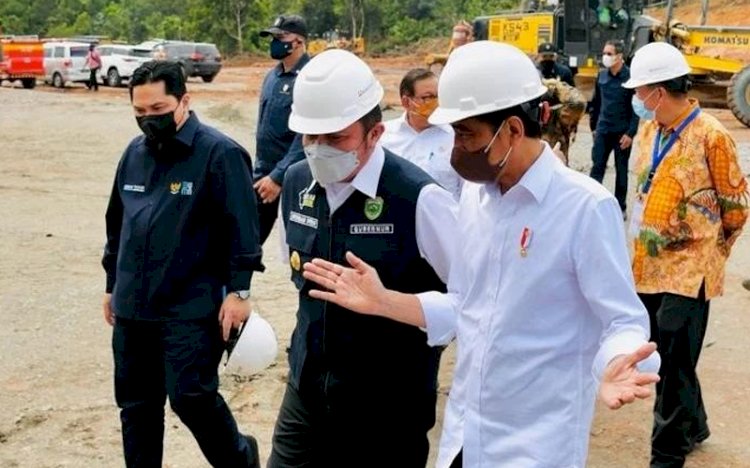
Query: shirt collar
295, 69
366, 180
186, 134
537, 178
681, 118
404, 124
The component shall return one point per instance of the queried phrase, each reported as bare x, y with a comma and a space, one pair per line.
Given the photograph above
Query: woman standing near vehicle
93, 63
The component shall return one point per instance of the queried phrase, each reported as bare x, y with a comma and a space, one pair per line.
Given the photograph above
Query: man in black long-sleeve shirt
612, 120
276, 146
182, 230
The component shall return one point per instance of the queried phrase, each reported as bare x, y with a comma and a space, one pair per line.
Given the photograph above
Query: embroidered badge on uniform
295, 261
373, 208
174, 187
187, 188
134, 188
306, 199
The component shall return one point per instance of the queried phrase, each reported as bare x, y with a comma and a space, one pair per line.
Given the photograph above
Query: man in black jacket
182, 243
613, 120
276, 146
550, 68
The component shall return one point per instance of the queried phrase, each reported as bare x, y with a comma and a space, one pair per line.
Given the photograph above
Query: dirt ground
58, 152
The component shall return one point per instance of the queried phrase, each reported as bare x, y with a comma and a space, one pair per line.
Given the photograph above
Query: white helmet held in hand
655, 63
334, 90
256, 348
484, 77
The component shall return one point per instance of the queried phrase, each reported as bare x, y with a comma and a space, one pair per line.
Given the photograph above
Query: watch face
242, 294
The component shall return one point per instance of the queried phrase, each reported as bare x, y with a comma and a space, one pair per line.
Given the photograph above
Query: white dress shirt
429, 149
436, 228
535, 332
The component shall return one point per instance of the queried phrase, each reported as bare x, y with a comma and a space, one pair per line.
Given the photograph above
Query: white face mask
329, 164
608, 61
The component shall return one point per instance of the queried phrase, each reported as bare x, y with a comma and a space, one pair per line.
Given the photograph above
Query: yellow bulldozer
336, 40
576, 28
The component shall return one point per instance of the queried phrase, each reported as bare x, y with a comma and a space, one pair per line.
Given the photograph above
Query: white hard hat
334, 90
654, 63
484, 77
256, 348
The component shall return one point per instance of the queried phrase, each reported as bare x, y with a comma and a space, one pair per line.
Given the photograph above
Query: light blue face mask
640, 108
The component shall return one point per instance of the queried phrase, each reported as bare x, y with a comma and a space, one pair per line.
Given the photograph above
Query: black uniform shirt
181, 226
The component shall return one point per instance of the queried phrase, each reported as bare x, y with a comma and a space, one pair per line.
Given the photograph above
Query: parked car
119, 62
197, 59
65, 62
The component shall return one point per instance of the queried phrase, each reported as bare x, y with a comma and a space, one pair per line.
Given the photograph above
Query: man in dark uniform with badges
362, 389
182, 245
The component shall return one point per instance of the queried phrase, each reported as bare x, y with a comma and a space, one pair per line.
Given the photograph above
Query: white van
65, 62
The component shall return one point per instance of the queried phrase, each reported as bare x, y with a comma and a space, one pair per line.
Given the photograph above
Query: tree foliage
234, 24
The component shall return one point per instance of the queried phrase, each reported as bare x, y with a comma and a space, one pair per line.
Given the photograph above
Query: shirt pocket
301, 242
278, 108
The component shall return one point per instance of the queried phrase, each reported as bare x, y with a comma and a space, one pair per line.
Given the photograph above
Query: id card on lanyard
658, 154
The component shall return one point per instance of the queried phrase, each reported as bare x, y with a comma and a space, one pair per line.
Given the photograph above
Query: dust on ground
58, 152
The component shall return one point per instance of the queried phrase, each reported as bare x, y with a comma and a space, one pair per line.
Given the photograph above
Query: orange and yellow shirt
694, 210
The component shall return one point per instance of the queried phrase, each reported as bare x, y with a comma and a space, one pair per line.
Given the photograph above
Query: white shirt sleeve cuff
624, 342
439, 316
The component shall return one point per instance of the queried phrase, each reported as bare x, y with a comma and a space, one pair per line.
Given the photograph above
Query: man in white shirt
355, 379
541, 286
411, 135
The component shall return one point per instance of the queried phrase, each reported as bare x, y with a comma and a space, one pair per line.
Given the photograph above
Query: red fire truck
21, 58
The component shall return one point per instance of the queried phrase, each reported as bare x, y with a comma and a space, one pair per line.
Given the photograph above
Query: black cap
547, 48
287, 23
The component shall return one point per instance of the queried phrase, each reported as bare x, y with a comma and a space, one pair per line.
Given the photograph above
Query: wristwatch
242, 295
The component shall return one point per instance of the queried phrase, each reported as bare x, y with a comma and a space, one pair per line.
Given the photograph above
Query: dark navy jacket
611, 109
277, 147
357, 350
559, 72
181, 225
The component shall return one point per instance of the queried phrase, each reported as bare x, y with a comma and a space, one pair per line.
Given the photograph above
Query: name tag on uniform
371, 229
304, 220
134, 188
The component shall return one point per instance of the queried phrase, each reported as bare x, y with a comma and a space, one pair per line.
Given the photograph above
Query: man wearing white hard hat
362, 390
691, 204
541, 286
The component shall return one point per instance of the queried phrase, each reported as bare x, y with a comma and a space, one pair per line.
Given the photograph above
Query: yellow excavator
336, 40
579, 30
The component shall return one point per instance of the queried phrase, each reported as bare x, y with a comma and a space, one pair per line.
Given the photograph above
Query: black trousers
604, 144
319, 430
678, 326
93, 83
178, 359
267, 214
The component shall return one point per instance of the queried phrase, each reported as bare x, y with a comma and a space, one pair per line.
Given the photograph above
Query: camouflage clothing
568, 106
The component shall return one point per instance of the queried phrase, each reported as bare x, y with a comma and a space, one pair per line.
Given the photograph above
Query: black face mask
548, 65
281, 49
158, 128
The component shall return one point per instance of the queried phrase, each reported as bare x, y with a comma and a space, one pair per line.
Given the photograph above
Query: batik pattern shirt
694, 210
